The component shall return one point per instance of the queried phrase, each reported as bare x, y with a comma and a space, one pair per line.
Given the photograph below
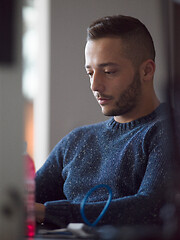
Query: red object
30, 196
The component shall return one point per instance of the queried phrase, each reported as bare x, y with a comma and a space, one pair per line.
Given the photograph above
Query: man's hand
39, 212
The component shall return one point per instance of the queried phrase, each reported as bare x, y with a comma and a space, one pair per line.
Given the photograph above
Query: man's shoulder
160, 117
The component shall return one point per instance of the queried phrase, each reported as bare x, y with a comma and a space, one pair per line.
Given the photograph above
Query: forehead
107, 49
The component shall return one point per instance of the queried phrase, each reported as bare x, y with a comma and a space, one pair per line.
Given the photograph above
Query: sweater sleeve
49, 181
141, 208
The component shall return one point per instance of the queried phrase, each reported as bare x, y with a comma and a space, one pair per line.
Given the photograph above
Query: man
125, 152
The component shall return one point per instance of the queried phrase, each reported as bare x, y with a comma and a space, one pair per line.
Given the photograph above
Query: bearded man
127, 152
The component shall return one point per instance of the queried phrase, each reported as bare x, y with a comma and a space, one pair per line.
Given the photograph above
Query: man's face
113, 79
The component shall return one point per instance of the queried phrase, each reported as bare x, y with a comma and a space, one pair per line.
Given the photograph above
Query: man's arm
141, 208
48, 179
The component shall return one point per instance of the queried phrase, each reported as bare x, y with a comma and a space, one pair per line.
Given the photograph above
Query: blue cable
82, 205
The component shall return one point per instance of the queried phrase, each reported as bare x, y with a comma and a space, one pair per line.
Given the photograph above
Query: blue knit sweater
131, 158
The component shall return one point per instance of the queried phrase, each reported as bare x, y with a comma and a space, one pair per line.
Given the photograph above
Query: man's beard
128, 99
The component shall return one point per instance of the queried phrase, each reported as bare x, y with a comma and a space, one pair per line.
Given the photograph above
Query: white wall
42, 100
71, 102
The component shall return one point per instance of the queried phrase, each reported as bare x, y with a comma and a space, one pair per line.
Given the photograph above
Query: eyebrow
101, 65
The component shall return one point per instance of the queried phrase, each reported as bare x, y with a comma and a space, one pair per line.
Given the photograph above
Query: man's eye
109, 72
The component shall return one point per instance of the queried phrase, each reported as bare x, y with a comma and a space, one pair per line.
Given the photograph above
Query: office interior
61, 99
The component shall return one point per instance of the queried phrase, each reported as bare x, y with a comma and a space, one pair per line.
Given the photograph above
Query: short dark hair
138, 45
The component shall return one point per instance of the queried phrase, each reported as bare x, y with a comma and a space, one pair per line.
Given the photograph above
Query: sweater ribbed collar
161, 109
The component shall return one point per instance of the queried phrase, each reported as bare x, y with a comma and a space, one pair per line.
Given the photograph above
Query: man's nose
97, 83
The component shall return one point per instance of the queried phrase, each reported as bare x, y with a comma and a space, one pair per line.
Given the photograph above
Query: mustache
100, 95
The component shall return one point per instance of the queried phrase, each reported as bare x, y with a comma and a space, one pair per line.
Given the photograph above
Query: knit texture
132, 158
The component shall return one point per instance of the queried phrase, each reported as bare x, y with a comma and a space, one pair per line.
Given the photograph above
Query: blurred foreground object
29, 195
11, 163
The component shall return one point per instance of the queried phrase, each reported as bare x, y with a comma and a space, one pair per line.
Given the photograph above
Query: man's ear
147, 70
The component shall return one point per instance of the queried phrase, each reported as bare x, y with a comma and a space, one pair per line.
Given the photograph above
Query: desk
55, 237
111, 233
62, 234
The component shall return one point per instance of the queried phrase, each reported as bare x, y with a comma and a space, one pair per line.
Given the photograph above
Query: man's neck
138, 112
